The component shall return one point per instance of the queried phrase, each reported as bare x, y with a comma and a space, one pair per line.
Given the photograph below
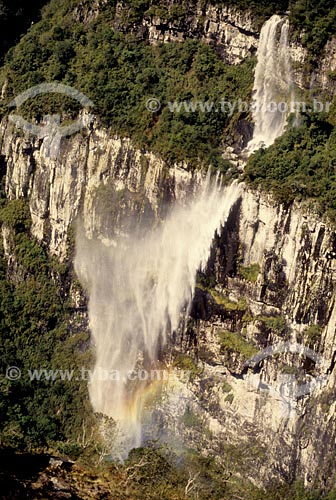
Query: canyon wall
109, 184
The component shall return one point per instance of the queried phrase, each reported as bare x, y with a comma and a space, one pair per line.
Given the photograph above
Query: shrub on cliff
35, 336
300, 165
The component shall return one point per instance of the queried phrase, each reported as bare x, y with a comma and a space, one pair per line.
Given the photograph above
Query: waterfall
273, 84
140, 286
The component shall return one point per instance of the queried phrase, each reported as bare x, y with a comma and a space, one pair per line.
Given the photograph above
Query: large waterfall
140, 287
273, 84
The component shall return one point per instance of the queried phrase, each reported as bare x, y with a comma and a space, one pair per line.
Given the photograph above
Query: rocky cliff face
325, 76
294, 255
270, 279
94, 173
232, 32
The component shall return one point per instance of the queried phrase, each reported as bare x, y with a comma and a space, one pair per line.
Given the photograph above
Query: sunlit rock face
94, 173
295, 253
231, 31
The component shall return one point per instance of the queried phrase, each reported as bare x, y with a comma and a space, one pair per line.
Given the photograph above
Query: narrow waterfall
273, 84
139, 289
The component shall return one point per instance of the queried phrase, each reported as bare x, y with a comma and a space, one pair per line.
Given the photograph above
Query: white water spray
273, 84
139, 288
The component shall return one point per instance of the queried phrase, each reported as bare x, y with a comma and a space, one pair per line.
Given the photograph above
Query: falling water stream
273, 84
140, 288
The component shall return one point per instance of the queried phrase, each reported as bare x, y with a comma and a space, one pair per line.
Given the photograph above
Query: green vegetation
290, 370
325, 400
187, 364
159, 477
229, 398
234, 343
250, 273
15, 215
190, 419
34, 336
300, 165
228, 304
260, 9
226, 387
313, 334
150, 473
313, 23
277, 324
15, 18
247, 318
